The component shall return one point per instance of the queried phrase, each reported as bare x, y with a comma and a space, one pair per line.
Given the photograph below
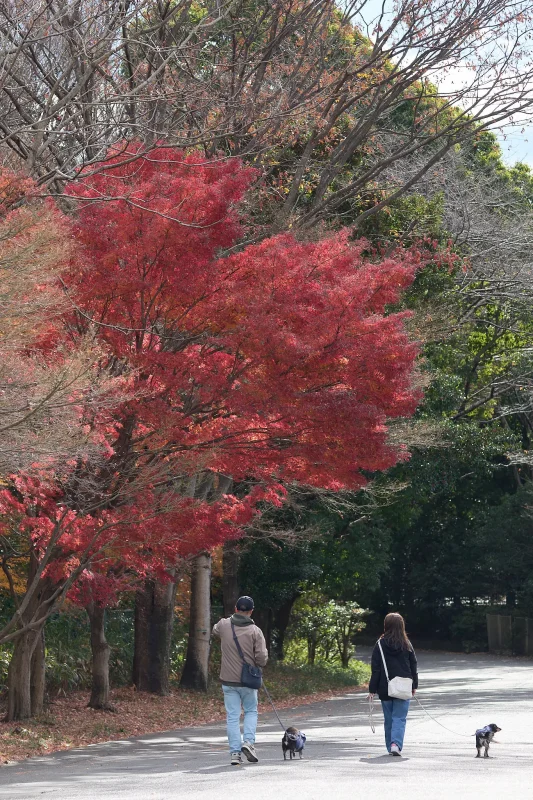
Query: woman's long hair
394, 631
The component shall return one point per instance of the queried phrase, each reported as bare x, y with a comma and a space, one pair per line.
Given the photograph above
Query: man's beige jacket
252, 643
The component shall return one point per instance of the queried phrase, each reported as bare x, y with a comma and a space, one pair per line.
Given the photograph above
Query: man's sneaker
249, 751
236, 759
395, 750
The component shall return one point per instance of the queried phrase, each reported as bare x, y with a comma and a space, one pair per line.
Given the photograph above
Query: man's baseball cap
244, 603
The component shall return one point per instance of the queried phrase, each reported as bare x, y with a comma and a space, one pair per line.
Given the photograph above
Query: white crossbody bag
400, 688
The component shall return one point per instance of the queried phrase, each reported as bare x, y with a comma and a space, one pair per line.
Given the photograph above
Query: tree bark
19, 697
141, 657
345, 653
154, 620
311, 651
195, 671
100, 658
280, 625
38, 676
263, 619
26, 677
230, 576
162, 623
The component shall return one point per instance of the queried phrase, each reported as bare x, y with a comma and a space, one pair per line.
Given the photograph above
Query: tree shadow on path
337, 729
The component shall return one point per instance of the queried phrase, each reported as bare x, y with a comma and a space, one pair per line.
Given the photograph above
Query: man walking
253, 646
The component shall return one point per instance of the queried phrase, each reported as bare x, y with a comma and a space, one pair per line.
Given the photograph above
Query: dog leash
466, 735
373, 729
273, 706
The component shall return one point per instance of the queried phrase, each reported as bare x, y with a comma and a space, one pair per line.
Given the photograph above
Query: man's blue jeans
234, 697
395, 713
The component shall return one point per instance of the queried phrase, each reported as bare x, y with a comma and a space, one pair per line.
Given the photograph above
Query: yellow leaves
19, 581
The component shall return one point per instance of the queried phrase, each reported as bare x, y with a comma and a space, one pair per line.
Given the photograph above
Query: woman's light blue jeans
395, 713
234, 697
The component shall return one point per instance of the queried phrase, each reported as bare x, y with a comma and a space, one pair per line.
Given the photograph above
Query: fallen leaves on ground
69, 723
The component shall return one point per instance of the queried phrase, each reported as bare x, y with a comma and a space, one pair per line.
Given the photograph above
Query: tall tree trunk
195, 671
345, 651
162, 623
280, 625
26, 678
19, 676
230, 576
141, 654
311, 650
38, 676
100, 651
263, 619
154, 620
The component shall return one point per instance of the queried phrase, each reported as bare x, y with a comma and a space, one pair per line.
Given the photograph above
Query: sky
517, 146
516, 141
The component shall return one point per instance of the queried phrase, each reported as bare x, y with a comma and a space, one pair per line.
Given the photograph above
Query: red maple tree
277, 362
269, 363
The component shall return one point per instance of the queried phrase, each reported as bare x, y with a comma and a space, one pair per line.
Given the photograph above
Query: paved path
343, 760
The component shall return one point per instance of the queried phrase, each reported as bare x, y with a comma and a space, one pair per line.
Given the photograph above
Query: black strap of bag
251, 676
239, 648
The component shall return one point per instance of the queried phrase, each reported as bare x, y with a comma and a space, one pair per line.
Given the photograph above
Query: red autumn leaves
267, 363
275, 362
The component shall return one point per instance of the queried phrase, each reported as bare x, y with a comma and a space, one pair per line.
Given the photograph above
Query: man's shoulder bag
251, 676
400, 688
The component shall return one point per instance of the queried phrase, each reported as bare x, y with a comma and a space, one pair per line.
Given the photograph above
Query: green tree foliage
327, 628
457, 535
344, 552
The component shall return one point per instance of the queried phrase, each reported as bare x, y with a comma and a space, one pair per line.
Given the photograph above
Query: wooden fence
509, 634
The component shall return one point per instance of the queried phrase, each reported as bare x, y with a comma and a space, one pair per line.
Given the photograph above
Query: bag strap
239, 648
384, 662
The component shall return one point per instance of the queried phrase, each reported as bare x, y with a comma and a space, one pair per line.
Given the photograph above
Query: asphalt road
343, 759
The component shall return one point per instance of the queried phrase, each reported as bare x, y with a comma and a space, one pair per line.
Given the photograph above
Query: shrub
284, 680
469, 628
327, 627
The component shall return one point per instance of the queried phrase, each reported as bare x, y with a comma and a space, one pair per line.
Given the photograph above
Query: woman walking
400, 661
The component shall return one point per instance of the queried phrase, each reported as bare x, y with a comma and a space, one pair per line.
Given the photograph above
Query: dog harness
299, 740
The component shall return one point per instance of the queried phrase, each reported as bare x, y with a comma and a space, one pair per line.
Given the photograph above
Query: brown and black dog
484, 737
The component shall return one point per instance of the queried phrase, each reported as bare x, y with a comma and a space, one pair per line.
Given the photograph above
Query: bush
469, 628
5, 657
178, 648
296, 652
68, 652
68, 649
327, 627
285, 680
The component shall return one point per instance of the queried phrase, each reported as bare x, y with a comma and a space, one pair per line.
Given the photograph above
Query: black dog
293, 741
484, 737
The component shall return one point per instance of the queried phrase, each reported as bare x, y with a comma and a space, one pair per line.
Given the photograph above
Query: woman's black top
400, 664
